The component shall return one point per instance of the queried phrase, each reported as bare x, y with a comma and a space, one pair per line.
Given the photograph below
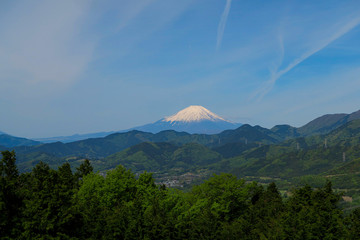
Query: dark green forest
62, 204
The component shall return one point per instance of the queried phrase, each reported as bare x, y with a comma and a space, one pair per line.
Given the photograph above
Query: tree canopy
59, 204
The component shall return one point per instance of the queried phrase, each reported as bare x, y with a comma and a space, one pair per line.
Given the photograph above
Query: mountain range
197, 119
281, 151
255, 154
327, 148
313, 159
193, 119
229, 144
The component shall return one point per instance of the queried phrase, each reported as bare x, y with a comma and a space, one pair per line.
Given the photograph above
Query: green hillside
253, 153
162, 157
323, 124
327, 123
95, 148
64, 204
229, 150
285, 131
144, 156
247, 133
11, 141
348, 134
278, 161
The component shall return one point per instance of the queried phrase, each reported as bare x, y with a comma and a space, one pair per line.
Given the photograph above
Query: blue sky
71, 67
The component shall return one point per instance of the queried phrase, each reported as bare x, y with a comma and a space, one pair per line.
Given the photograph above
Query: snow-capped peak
194, 114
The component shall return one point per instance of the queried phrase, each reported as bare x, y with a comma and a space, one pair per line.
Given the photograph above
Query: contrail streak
276, 75
222, 23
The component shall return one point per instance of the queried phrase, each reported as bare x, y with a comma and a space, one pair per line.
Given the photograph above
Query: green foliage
352, 223
285, 131
48, 195
265, 213
314, 214
230, 150
84, 169
57, 204
323, 124
162, 156
313, 180
103, 147
10, 196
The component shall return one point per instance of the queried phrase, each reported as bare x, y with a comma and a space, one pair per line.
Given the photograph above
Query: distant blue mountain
201, 127
75, 137
193, 119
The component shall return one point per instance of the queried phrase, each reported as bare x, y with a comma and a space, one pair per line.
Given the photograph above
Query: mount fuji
193, 119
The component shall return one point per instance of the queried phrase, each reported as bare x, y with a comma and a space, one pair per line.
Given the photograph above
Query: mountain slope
102, 147
247, 133
348, 134
236, 151
11, 141
327, 123
230, 150
292, 161
144, 156
162, 156
285, 131
300, 156
73, 138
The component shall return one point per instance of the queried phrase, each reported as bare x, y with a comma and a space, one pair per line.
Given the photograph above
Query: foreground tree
353, 224
57, 204
84, 169
10, 196
48, 203
314, 214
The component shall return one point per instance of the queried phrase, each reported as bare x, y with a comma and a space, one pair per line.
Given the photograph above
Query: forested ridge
61, 204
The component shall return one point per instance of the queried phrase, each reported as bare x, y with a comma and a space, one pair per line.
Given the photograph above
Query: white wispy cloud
275, 75
222, 24
41, 45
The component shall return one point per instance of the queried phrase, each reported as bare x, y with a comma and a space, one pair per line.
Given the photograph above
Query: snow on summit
193, 119
194, 114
